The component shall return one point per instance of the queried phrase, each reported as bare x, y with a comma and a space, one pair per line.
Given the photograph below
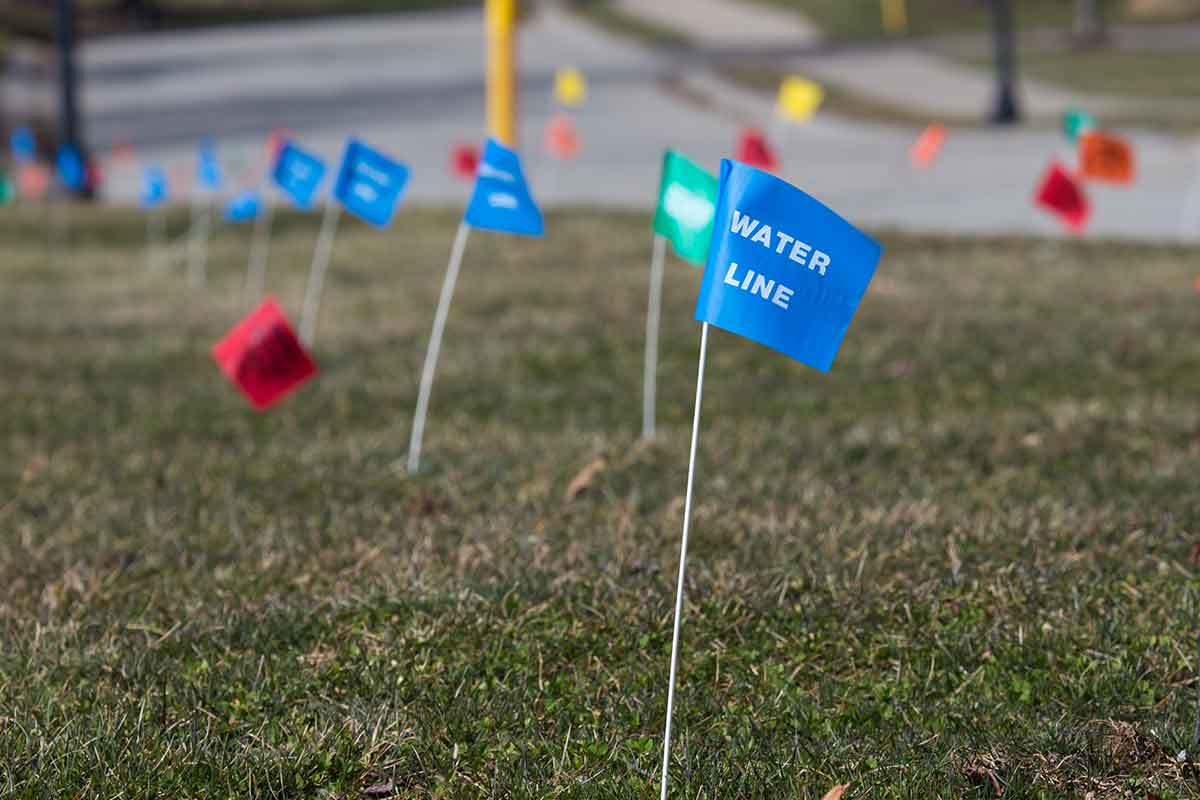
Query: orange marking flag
561, 138
928, 145
1106, 157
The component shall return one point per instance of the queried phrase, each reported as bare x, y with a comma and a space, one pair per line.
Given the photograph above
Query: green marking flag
687, 203
7, 190
1076, 122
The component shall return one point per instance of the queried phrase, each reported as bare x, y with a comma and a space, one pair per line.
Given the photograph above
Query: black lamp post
1005, 111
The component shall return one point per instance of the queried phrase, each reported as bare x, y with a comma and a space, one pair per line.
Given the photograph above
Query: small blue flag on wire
208, 167
298, 174
369, 184
783, 269
243, 207
71, 170
23, 145
502, 200
154, 187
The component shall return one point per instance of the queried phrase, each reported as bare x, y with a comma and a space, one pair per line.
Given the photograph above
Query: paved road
412, 85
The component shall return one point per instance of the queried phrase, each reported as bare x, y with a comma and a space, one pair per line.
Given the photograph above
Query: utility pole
68, 108
1006, 111
500, 19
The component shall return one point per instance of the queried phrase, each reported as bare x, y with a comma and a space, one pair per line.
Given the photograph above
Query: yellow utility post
895, 17
502, 70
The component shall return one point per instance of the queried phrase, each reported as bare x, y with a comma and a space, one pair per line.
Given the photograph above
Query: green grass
957, 563
862, 19
1133, 73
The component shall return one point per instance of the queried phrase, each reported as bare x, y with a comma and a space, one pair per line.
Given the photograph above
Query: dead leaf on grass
836, 792
584, 480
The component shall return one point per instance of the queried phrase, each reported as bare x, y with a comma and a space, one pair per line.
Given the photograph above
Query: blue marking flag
154, 187
783, 269
369, 184
23, 145
502, 201
298, 174
242, 207
208, 167
71, 170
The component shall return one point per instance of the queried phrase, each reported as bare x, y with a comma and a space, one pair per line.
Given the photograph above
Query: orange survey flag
928, 145
1106, 157
560, 138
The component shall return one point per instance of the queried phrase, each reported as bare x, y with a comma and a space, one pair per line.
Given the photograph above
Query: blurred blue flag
23, 145
71, 170
369, 184
208, 167
154, 187
502, 201
243, 206
783, 269
298, 174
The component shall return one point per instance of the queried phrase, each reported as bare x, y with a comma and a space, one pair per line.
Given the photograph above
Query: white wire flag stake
260, 252
157, 254
653, 316
798, 298
316, 274
435, 346
683, 545
500, 202
198, 240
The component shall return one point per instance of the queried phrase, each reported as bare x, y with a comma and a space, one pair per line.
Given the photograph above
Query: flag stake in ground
260, 252
500, 202
154, 200
653, 314
297, 174
792, 294
687, 197
368, 185
208, 182
683, 544
435, 345
322, 253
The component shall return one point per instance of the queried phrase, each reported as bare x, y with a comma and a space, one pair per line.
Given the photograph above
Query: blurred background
131, 81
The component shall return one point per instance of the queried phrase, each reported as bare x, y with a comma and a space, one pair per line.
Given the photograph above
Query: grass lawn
956, 565
861, 19
1134, 73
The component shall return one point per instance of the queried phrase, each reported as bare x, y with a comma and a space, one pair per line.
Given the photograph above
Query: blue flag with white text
154, 187
242, 207
298, 174
208, 167
71, 170
502, 201
783, 269
369, 184
23, 145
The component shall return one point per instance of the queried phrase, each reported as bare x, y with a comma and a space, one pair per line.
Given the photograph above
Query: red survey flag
1106, 157
464, 160
754, 150
928, 145
560, 138
276, 139
263, 357
1062, 195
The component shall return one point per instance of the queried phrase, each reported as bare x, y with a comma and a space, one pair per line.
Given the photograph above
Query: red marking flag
1062, 195
1105, 157
928, 145
464, 161
263, 357
754, 150
32, 180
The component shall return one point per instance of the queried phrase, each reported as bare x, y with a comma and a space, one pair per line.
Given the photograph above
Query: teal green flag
7, 192
1077, 121
687, 201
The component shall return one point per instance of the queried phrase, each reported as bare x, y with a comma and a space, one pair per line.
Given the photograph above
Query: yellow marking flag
570, 87
799, 98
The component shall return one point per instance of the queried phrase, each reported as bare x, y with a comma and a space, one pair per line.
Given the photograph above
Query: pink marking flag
263, 358
1062, 195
